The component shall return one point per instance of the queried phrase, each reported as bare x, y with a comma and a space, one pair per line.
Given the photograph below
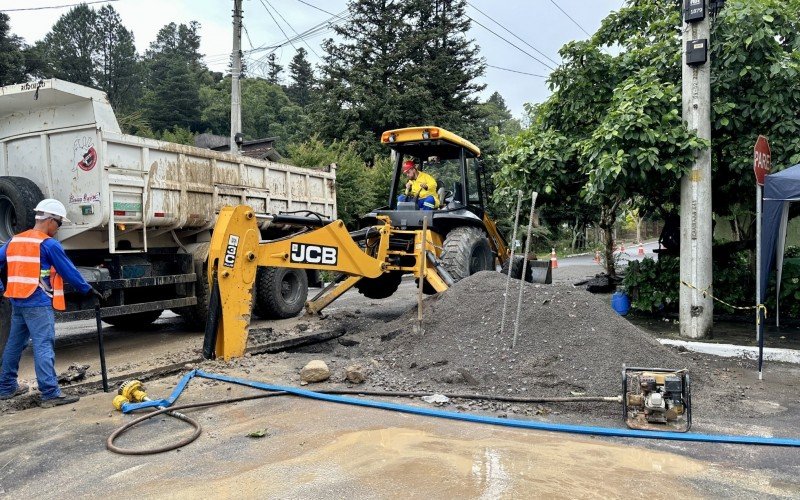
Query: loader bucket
541, 271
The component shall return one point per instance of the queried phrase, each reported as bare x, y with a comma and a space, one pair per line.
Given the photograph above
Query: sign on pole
762, 159
762, 164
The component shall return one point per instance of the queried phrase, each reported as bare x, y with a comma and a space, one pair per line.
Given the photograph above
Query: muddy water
539, 465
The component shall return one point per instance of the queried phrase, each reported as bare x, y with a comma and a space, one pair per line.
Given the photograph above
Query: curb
737, 351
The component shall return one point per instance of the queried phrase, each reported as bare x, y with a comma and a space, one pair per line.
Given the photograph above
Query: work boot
58, 401
21, 389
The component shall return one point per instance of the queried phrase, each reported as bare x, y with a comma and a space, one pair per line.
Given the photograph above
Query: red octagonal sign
762, 159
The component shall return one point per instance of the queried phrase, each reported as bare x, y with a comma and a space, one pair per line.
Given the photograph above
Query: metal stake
100, 345
524, 267
511, 262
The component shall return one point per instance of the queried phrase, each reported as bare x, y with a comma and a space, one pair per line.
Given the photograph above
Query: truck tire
195, 316
5, 324
466, 251
135, 320
381, 287
18, 197
280, 292
516, 269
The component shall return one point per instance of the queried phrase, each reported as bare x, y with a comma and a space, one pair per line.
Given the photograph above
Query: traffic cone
597, 256
553, 259
641, 249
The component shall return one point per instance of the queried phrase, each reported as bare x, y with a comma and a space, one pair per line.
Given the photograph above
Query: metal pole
759, 335
696, 308
236, 72
511, 261
100, 346
524, 268
422, 257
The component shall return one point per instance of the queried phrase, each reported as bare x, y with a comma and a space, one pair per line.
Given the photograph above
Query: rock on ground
315, 371
355, 374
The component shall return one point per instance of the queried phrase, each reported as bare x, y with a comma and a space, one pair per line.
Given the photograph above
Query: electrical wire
292, 28
570, 17
57, 6
276, 23
514, 34
515, 71
510, 43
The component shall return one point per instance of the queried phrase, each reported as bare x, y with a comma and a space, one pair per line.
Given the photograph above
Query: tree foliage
12, 57
301, 77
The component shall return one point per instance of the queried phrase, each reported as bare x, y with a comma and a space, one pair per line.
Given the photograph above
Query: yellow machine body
236, 252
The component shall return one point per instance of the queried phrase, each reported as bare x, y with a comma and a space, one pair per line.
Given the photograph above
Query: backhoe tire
516, 269
280, 292
134, 321
381, 287
466, 251
18, 197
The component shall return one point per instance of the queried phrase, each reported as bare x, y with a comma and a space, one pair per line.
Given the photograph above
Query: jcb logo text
314, 254
230, 251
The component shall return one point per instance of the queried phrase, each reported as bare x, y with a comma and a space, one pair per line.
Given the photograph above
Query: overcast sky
539, 23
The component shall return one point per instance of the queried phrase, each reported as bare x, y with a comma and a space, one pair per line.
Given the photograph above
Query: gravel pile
569, 342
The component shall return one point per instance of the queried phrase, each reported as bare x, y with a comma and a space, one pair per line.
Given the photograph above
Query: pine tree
302, 79
273, 70
12, 58
70, 48
175, 71
117, 73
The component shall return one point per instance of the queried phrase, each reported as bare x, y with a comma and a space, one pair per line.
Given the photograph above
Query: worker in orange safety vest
37, 268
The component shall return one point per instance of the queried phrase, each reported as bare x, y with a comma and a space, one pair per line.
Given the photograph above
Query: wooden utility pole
696, 307
236, 72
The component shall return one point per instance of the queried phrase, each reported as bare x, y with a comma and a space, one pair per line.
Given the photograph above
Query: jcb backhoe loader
460, 239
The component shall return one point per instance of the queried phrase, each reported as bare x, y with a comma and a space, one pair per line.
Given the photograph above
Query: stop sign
762, 159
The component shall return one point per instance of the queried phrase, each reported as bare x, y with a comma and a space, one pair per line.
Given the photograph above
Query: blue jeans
37, 324
427, 203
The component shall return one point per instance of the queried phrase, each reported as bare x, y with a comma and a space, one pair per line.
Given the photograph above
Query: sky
532, 25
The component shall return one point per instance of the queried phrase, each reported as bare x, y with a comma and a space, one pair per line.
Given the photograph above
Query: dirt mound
569, 342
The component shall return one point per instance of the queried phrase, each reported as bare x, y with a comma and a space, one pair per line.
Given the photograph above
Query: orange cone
641, 249
597, 256
553, 259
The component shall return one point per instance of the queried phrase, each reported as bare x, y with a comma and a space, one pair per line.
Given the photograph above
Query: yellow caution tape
706, 293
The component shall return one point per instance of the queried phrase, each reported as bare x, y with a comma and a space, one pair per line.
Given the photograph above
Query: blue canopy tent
780, 189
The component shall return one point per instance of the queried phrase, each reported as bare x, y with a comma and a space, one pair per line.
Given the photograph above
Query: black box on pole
697, 52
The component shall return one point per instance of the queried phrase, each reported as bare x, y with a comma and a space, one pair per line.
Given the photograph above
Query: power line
276, 23
512, 44
514, 35
319, 9
292, 28
515, 71
58, 6
570, 17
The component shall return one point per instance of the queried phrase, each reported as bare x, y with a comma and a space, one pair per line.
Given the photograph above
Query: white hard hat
52, 207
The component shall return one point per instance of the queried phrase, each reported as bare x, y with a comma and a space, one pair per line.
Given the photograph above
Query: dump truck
142, 210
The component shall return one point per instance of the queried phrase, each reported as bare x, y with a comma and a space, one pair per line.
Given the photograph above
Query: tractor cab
453, 162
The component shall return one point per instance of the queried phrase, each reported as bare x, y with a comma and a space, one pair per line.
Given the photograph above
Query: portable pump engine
656, 399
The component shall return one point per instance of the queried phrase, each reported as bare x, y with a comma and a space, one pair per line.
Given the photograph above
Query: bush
653, 284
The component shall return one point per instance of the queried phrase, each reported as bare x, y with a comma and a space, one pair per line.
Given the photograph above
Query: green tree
301, 77
12, 57
174, 75
118, 71
70, 50
274, 70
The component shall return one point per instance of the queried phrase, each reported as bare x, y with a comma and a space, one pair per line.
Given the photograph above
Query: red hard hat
408, 165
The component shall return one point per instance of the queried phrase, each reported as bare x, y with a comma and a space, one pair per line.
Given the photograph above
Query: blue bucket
621, 303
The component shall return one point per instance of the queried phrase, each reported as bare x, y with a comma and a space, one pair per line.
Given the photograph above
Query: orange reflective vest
25, 273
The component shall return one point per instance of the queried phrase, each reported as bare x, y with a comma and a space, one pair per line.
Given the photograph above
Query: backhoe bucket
541, 271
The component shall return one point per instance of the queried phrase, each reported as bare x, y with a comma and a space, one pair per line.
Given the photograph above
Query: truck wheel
280, 292
135, 320
516, 269
381, 287
5, 324
18, 197
466, 251
195, 316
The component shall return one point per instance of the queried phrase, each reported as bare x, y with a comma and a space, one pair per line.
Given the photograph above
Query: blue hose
467, 417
